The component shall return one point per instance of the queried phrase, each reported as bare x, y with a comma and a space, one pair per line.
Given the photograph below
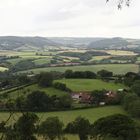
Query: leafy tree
23, 79
98, 96
61, 86
68, 73
45, 79
38, 101
51, 128
80, 126
136, 87
118, 126
25, 127
128, 99
105, 73
65, 101
135, 108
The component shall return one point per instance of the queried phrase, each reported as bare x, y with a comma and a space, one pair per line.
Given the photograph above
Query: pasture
115, 68
27, 90
121, 53
90, 84
92, 114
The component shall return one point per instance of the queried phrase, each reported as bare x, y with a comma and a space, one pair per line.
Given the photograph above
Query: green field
25, 91
99, 58
42, 61
92, 114
90, 84
116, 68
121, 53
67, 116
3, 69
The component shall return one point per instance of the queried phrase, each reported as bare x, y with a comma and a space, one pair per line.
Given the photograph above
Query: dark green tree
38, 101
80, 126
136, 87
45, 79
105, 73
25, 127
51, 128
118, 126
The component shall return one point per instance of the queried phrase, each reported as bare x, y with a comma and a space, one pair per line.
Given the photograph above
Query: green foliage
131, 103
79, 74
118, 126
51, 128
61, 86
25, 126
135, 88
23, 65
45, 79
80, 126
23, 129
105, 73
98, 96
128, 99
38, 101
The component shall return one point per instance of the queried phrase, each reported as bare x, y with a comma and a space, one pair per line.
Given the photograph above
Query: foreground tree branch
121, 3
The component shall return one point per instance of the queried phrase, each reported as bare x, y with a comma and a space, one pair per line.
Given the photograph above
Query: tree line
30, 127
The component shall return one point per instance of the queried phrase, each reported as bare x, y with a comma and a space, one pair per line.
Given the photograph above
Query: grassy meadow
115, 68
92, 114
90, 84
27, 90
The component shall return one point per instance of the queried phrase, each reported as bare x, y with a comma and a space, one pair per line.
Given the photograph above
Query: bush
61, 86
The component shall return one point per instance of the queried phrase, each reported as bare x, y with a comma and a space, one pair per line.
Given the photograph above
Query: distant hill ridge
41, 43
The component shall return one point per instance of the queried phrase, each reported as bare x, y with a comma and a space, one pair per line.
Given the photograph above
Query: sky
69, 18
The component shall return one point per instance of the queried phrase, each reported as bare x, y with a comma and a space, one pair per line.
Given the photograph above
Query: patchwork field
115, 68
120, 52
90, 84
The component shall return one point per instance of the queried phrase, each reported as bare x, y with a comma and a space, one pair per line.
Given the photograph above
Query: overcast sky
83, 18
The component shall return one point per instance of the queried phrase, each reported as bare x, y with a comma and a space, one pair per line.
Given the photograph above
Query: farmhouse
111, 94
82, 97
85, 97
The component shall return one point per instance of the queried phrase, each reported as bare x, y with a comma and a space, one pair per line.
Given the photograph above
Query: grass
3, 69
120, 52
42, 61
91, 114
90, 84
25, 91
115, 68
99, 58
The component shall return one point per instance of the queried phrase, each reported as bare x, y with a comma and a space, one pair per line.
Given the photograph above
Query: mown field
67, 116
92, 114
90, 84
121, 53
115, 68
